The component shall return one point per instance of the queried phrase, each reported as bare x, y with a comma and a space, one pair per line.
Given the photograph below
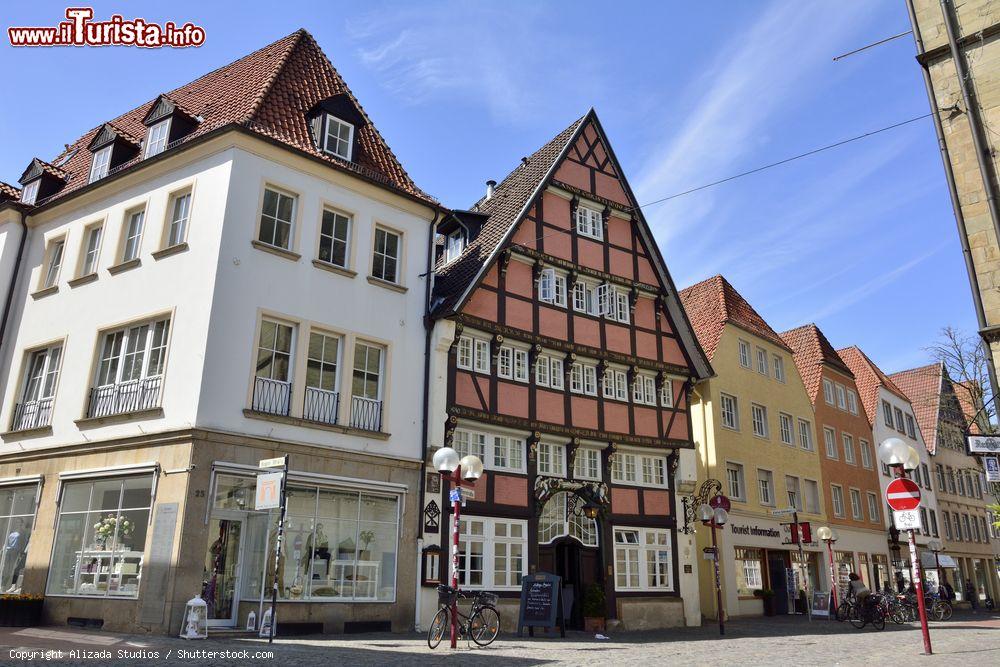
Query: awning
929, 563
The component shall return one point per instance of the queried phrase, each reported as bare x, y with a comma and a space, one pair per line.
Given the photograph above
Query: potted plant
766, 596
20, 610
594, 609
366, 537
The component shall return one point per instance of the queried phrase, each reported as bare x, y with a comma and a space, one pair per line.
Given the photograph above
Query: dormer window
156, 142
102, 162
30, 192
454, 245
338, 137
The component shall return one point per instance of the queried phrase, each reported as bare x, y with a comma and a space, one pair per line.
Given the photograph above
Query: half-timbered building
561, 356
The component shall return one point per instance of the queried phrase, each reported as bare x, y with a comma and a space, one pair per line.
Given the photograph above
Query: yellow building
754, 431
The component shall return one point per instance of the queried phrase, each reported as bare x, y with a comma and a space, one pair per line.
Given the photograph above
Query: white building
891, 416
232, 271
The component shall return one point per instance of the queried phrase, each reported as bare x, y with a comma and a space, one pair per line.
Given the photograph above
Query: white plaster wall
249, 279
180, 283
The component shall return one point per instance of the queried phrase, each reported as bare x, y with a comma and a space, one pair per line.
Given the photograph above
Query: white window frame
866, 454
640, 554
639, 469
779, 368
734, 473
828, 395
384, 255
793, 491
30, 191
787, 435
811, 496
758, 418
157, 138
849, 456
587, 464
55, 253
805, 435
852, 402
830, 443
328, 120
873, 508
177, 225
765, 480
551, 459
857, 506
589, 222
729, 412
454, 244
667, 393
762, 362
745, 354
841, 396
464, 353
90, 251
489, 541
277, 221
333, 239
100, 165
837, 500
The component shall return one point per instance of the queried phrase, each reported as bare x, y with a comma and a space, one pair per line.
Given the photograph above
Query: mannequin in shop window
321, 551
15, 553
269, 566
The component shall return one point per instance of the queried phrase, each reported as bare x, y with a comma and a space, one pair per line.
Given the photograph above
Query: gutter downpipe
13, 278
429, 331
949, 173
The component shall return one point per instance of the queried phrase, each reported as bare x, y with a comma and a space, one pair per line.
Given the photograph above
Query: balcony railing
124, 397
32, 414
321, 405
366, 413
271, 396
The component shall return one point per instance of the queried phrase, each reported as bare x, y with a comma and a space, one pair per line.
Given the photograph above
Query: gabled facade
854, 505
891, 415
754, 429
229, 284
963, 495
564, 361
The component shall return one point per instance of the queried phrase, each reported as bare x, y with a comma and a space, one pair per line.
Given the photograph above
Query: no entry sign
902, 494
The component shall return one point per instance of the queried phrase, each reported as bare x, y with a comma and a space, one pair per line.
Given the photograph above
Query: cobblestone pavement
968, 639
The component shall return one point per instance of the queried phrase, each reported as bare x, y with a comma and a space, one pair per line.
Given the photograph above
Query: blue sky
860, 239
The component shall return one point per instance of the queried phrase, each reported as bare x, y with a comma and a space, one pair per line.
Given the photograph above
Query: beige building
958, 47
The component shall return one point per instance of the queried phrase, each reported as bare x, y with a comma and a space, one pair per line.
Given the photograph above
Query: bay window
37, 397
100, 537
130, 369
492, 553
17, 519
643, 560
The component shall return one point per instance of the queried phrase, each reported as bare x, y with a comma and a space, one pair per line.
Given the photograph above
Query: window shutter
605, 300
546, 286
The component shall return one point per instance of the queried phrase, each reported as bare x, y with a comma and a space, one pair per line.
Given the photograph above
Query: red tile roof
268, 92
811, 350
868, 377
713, 303
923, 386
9, 192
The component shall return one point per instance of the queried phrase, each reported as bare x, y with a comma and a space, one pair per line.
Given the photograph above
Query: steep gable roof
510, 202
9, 192
811, 350
868, 377
713, 303
268, 92
970, 411
923, 387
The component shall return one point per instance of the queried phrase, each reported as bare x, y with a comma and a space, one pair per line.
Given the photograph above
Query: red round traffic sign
903, 494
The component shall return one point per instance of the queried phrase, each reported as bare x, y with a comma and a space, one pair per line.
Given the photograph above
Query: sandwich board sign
541, 604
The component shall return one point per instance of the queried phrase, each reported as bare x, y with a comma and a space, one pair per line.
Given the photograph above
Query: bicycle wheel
878, 618
484, 626
947, 611
843, 611
438, 627
937, 611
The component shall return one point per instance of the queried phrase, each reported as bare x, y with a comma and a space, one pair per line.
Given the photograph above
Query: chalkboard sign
541, 604
821, 603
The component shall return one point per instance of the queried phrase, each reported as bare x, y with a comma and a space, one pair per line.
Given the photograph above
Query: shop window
101, 537
17, 518
749, 571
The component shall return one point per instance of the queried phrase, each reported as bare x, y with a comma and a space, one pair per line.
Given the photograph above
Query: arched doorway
569, 546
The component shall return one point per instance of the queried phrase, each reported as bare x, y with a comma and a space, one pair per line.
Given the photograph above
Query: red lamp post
458, 472
828, 536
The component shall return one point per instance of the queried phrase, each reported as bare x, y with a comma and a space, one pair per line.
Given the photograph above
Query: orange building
847, 450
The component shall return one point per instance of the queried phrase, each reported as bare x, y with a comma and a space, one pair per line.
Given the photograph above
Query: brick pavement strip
967, 638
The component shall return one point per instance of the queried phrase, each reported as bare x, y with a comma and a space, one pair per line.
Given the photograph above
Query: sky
860, 239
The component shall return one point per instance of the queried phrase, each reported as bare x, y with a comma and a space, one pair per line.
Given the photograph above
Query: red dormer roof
713, 303
868, 377
811, 351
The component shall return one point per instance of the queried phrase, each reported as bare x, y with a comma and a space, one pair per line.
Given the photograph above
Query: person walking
949, 592
970, 593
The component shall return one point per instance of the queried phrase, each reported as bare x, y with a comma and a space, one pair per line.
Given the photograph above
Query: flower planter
593, 624
20, 611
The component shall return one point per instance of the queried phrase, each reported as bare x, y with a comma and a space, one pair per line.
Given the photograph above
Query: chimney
489, 189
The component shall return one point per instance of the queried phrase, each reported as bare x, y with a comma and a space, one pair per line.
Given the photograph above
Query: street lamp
901, 457
716, 517
829, 536
457, 471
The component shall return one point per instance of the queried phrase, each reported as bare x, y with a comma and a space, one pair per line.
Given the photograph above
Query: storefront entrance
220, 589
568, 547
777, 566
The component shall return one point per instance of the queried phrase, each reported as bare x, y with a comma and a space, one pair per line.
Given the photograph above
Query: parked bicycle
938, 608
482, 624
865, 611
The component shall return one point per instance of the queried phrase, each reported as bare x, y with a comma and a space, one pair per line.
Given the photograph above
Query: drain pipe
429, 331
970, 267
13, 277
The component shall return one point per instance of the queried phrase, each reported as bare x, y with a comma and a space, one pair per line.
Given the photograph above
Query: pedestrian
949, 592
900, 583
970, 593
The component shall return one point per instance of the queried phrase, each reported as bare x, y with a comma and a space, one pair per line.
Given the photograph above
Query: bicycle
482, 624
867, 611
938, 609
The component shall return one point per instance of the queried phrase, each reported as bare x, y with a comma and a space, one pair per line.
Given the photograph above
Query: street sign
720, 501
708, 553
268, 496
903, 494
983, 444
906, 519
454, 496
467, 493
272, 463
992, 465
784, 512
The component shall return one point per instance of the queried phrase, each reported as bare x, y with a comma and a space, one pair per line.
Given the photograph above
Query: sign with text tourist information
268, 495
906, 519
983, 444
992, 465
903, 494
